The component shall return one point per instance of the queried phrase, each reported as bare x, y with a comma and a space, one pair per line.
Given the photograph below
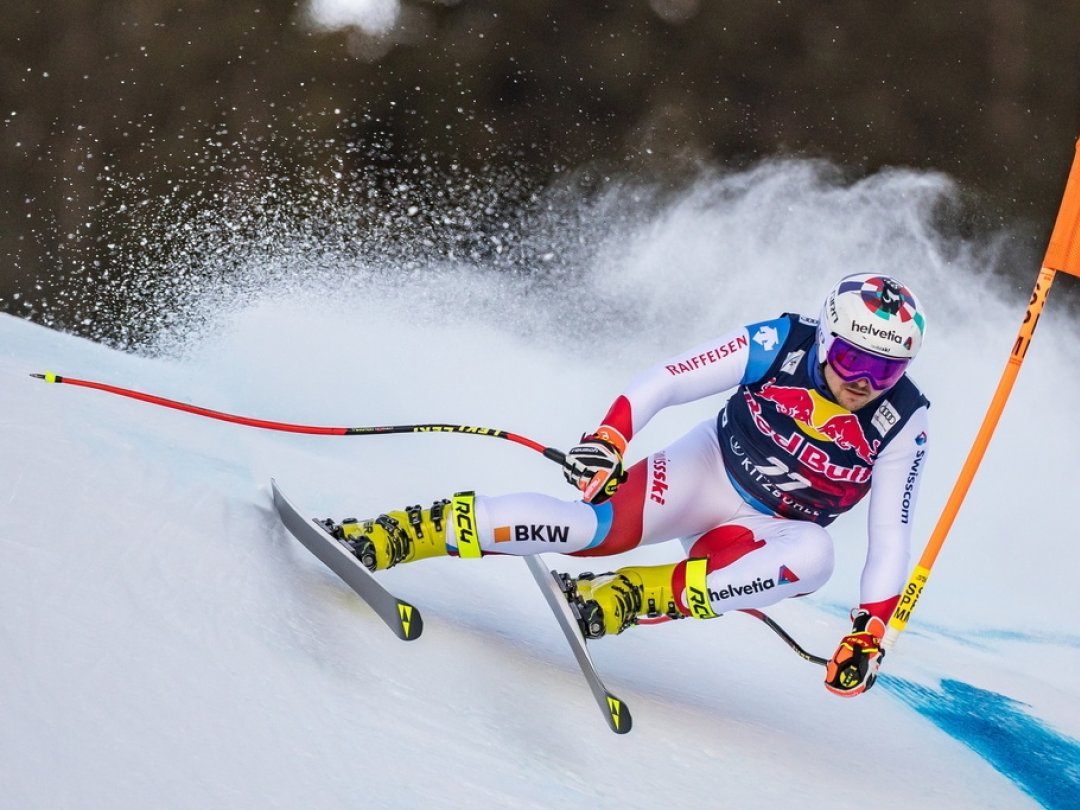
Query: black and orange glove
594, 467
854, 666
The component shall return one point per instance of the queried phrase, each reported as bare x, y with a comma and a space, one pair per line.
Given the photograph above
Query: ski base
614, 710
399, 615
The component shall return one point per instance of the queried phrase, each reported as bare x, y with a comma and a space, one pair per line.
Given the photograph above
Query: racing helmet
870, 326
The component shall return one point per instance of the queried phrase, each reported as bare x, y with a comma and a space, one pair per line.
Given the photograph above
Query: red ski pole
264, 424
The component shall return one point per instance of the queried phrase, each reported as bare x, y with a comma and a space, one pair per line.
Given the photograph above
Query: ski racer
822, 414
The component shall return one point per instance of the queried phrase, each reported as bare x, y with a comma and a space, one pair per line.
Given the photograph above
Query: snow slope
164, 643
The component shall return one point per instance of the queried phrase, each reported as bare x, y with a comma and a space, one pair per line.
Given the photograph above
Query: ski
399, 615
615, 711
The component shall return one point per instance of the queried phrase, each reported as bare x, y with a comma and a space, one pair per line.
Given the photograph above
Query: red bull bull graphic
833, 427
790, 401
817, 417
844, 429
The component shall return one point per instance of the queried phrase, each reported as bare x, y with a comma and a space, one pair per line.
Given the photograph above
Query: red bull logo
816, 417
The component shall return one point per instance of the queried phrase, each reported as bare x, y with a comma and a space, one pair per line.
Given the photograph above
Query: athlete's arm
707, 369
893, 490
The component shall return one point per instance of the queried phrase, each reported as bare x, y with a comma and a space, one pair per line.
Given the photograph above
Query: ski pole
549, 452
780, 631
1062, 255
552, 453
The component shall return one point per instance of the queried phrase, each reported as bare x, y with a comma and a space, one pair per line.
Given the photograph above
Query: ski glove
854, 666
595, 468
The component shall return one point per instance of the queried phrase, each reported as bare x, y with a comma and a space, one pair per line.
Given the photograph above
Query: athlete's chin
855, 398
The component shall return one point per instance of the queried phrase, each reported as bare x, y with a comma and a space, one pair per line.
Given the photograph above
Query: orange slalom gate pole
1062, 256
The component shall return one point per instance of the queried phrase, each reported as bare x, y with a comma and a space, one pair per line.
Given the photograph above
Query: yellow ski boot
396, 537
609, 603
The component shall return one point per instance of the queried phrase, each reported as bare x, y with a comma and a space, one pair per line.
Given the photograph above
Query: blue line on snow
1041, 762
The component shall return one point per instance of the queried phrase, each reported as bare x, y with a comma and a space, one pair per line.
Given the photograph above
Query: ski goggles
852, 363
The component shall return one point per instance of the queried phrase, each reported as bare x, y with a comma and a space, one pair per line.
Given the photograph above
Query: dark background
106, 105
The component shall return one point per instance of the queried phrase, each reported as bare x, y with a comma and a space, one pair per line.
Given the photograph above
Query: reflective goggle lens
852, 363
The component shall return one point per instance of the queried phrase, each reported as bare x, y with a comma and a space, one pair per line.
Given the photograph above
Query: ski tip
410, 624
276, 494
618, 718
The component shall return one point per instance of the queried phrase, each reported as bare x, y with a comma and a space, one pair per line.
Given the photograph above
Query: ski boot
396, 537
609, 603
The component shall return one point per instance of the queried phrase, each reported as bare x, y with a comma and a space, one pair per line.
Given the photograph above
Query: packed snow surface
165, 643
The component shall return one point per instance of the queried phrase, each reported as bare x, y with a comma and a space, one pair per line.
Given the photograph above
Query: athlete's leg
758, 560
730, 567
677, 491
531, 523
